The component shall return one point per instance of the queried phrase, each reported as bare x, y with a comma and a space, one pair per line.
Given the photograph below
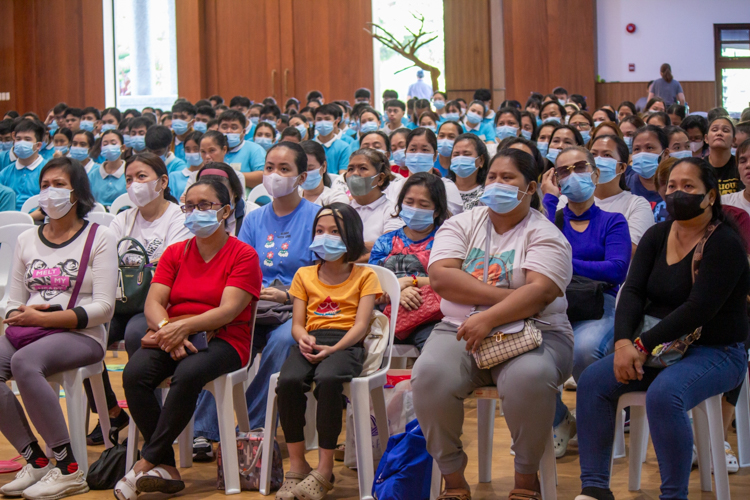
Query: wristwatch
163, 323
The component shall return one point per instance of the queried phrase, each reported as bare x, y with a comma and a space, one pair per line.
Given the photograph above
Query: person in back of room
394, 110
327, 118
317, 186
22, 176
666, 87
158, 141
243, 155
183, 116
719, 138
468, 168
191, 148
419, 89
107, 180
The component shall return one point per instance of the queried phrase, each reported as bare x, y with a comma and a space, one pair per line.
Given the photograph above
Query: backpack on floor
110, 468
405, 471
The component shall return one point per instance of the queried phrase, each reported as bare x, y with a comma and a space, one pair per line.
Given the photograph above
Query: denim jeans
275, 343
703, 372
593, 340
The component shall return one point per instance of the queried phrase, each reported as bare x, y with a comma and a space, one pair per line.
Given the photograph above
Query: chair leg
363, 436
132, 453
703, 444
240, 407
742, 416
224, 394
436, 481
185, 445
638, 430
619, 448
548, 471
381, 417
311, 431
268, 437
75, 403
486, 428
716, 436
100, 400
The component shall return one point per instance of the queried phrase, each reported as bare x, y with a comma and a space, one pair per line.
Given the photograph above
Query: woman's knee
289, 383
23, 366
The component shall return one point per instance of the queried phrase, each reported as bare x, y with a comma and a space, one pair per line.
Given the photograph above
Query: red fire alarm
631, 67
630, 28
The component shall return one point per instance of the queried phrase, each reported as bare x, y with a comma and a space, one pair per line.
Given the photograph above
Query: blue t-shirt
106, 189
440, 168
4, 159
249, 156
349, 139
486, 131
24, 182
179, 151
337, 156
7, 199
178, 182
175, 164
251, 132
282, 243
47, 152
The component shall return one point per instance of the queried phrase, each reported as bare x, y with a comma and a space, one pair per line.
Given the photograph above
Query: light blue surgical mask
682, 154
328, 247
438, 105
79, 153
431, 127
354, 125
44, 145
200, 127
504, 131
473, 117
542, 147
597, 123
202, 223
87, 125
179, 126
368, 127
417, 219
6, 145
270, 122
586, 135
552, 119
552, 154
645, 164
324, 127
63, 150
111, 152
629, 142
108, 126
24, 149
578, 187
561, 101
302, 129
733, 151
193, 159
399, 157
233, 140
53, 126
526, 134
445, 147
264, 142
419, 162
254, 120
163, 158
128, 141
139, 142
607, 168
501, 198
538, 122
463, 166
451, 117
312, 180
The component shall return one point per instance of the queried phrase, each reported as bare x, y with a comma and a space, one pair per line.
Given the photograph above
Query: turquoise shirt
486, 131
7, 199
251, 132
337, 156
5, 159
250, 156
179, 151
349, 139
175, 164
107, 187
48, 152
178, 182
22, 180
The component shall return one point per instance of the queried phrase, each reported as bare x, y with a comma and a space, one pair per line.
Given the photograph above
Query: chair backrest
389, 284
13, 217
30, 204
8, 238
257, 192
101, 218
122, 201
98, 207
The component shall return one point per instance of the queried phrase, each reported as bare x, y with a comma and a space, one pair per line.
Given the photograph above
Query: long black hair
526, 165
79, 181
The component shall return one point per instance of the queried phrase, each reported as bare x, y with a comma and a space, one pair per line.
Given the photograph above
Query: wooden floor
201, 478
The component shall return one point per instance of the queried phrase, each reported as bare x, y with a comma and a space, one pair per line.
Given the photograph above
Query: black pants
298, 374
147, 369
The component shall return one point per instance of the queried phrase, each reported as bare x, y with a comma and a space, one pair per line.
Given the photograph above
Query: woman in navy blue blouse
601, 251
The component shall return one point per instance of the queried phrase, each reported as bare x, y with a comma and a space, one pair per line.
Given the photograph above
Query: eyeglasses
582, 125
202, 206
579, 167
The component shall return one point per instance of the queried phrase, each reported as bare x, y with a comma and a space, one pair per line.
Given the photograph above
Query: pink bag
249, 447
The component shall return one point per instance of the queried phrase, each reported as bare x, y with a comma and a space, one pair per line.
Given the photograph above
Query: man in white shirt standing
420, 89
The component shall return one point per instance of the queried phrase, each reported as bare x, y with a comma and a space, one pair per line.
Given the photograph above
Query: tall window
145, 53
732, 45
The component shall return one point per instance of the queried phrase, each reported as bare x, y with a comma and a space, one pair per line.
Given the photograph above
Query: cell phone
52, 308
199, 341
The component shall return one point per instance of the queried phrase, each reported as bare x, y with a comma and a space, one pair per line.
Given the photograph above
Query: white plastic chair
708, 430
742, 417
30, 204
8, 238
229, 392
98, 207
486, 398
120, 202
402, 352
257, 192
101, 218
359, 391
13, 217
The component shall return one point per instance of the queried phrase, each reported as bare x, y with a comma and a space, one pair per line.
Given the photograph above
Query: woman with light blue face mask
179, 179
79, 149
446, 137
507, 123
563, 136
628, 126
107, 180
265, 135
474, 122
552, 112
317, 185
583, 122
650, 146
300, 123
528, 125
61, 142
468, 168
542, 138
429, 120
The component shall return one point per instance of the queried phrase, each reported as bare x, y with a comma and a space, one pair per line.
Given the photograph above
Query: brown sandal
524, 495
313, 487
291, 480
454, 496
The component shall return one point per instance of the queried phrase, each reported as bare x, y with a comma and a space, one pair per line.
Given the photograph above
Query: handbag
272, 313
428, 312
405, 470
110, 467
133, 282
21, 336
671, 352
505, 341
249, 451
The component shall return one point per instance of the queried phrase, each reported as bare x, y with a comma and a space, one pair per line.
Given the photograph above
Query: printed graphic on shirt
284, 252
268, 261
500, 272
269, 241
328, 308
51, 281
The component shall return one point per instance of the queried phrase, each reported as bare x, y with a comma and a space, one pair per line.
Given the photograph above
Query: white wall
678, 32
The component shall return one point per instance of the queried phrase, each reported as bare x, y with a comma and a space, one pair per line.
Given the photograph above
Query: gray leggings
445, 374
29, 367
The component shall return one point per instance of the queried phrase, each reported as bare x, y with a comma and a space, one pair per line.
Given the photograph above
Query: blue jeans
703, 372
275, 343
593, 340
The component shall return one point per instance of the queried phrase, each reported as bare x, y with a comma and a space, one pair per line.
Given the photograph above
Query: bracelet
288, 298
415, 281
624, 345
639, 345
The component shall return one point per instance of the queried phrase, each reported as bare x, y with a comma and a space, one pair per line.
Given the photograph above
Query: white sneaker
733, 466
55, 485
563, 433
26, 477
570, 384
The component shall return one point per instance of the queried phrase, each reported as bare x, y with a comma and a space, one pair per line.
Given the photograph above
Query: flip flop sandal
454, 496
524, 495
158, 479
10, 466
126, 489
291, 480
313, 487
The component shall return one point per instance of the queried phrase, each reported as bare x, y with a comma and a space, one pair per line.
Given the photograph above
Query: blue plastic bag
405, 471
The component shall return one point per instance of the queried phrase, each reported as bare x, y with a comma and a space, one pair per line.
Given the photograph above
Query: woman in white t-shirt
468, 169
741, 199
529, 264
317, 186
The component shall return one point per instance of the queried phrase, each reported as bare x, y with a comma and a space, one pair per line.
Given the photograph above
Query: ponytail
666, 72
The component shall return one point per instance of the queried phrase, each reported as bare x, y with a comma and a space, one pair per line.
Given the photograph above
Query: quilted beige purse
505, 341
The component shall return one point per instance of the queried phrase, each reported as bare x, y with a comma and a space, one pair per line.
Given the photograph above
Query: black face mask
684, 206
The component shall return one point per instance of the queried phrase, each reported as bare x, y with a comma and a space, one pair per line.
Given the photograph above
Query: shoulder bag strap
697, 257
83, 265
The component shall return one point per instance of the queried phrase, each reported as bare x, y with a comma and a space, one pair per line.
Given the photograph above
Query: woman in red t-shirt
215, 278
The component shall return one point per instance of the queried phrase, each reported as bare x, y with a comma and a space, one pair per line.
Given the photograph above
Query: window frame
721, 63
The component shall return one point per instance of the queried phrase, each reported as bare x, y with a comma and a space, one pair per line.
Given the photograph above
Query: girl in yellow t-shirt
333, 302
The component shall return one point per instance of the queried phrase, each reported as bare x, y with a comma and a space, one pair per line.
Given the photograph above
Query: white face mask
279, 186
55, 202
143, 193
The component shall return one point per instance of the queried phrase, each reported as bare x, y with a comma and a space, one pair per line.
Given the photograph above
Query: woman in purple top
601, 251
